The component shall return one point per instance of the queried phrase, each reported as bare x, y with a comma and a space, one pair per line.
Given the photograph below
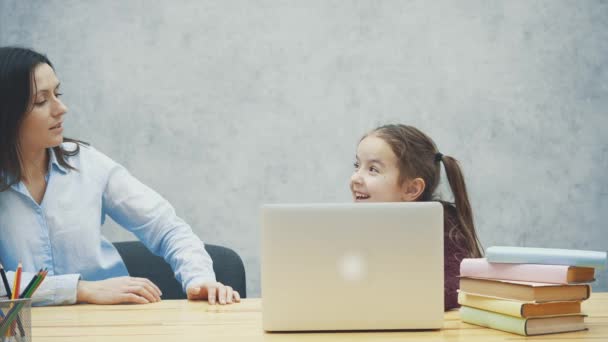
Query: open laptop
352, 266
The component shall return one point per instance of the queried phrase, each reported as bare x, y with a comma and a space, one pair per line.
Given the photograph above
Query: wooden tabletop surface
181, 320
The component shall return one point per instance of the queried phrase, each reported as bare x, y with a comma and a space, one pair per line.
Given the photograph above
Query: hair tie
438, 156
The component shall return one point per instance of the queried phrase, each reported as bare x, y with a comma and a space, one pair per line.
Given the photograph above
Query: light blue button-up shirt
63, 233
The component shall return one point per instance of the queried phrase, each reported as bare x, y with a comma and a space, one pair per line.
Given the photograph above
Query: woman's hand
213, 292
118, 290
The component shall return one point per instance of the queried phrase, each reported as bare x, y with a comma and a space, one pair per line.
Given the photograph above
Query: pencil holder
15, 320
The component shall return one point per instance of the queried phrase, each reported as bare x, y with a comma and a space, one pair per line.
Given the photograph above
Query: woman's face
42, 127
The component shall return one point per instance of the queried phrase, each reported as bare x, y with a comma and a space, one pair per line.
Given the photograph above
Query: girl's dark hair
418, 156
17, 87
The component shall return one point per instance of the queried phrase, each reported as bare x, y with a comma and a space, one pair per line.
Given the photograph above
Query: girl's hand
118, 290
213, 292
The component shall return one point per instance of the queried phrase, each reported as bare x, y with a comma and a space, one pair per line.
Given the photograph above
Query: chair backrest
140, 262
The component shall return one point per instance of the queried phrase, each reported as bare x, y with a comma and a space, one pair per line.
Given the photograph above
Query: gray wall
224, 105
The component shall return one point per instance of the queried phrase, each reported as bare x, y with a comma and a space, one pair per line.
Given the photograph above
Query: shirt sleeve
153, 220
452, 259
54, 290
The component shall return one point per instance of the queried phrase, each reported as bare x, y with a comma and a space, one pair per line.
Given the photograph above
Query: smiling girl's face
376, 176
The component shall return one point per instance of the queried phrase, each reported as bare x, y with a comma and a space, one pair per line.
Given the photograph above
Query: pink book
553, 274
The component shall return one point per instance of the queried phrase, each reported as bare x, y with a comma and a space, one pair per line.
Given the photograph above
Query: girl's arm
453, 255
451, 279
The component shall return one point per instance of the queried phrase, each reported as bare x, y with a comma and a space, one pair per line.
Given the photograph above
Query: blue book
546, 256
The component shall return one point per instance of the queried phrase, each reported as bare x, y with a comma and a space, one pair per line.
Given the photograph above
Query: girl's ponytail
418, 157
463, 206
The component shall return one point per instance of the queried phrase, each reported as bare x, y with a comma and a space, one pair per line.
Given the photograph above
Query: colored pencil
30, 284
37, 284
17, 281
7, 287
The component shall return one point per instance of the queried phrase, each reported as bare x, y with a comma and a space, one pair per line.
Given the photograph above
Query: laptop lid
352, 266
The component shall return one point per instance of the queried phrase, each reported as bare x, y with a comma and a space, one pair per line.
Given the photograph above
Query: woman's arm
54, 290
153, 220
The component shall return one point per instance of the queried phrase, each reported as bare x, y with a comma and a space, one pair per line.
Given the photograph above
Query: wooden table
181, 320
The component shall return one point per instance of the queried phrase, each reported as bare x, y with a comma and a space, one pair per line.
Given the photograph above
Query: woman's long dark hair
418, 156
17, 84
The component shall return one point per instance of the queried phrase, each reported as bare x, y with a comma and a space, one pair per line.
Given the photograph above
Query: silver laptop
352, 266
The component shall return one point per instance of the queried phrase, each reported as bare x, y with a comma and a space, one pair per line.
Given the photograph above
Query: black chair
140, 262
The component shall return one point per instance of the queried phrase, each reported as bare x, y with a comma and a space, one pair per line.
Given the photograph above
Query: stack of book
528, 291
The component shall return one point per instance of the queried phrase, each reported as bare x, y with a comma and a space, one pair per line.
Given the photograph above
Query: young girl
400, 163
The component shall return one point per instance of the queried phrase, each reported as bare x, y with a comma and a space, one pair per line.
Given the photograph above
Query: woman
55, 193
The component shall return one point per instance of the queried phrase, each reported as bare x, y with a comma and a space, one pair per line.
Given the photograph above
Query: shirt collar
53, 162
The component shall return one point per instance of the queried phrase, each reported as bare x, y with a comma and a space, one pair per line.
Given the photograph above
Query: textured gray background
224, 105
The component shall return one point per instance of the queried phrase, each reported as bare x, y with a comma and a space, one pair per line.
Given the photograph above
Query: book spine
493, 320
514, 255
481, 268
505, 307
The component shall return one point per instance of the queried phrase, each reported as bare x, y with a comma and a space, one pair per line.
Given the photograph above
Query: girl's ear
412, 189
